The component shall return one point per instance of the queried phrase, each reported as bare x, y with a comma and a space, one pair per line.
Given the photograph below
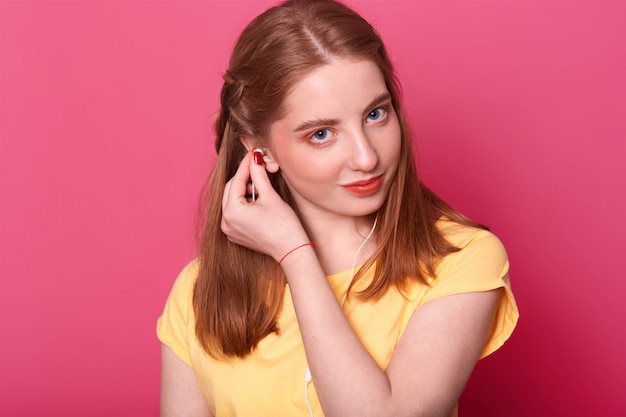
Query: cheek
299, 164
392, 143
308, 174
298, 169
311, 175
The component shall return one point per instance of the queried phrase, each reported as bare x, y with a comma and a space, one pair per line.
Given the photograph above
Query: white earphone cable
345, 294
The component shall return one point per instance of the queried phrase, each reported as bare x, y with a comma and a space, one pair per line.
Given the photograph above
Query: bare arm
180, 394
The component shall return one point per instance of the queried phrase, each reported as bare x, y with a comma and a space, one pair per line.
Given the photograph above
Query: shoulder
188, 275
474, 244
480, 263
180, 297
175, 326
463, 236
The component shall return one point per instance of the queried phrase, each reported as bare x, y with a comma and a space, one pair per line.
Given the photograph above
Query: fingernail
258, 158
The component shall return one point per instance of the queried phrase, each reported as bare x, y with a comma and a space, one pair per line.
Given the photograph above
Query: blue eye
320, 134
376, 114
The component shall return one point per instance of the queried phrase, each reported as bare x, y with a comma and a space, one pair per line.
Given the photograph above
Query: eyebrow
310, 124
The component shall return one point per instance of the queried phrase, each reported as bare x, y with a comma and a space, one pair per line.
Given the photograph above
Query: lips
366, 187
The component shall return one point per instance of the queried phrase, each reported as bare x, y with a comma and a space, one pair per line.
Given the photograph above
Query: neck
338, 240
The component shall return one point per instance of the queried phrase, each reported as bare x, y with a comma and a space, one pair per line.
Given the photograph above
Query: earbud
258, 153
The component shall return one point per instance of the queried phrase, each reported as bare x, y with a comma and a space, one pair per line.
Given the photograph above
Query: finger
226, 196
235, 189
260, 178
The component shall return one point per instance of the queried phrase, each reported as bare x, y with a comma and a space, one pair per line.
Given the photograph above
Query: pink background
519, 107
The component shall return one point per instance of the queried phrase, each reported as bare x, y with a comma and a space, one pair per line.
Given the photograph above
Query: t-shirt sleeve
175, 327
481, 265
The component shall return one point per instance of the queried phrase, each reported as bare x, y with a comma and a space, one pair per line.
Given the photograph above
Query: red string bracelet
295, 249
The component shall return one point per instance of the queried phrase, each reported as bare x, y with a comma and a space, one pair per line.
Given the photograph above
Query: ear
271, 165
250, 143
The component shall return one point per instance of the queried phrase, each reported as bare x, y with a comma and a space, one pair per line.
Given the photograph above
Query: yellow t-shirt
270, 382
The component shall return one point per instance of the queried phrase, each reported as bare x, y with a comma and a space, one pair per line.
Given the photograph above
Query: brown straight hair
238, 293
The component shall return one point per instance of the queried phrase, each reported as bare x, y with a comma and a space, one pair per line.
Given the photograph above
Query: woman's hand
268, 225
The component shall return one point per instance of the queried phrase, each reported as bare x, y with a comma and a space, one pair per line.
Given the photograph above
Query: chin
367, 207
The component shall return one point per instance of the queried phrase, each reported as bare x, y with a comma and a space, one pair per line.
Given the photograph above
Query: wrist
295, 249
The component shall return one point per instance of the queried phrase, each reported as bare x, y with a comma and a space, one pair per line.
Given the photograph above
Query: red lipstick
363, 188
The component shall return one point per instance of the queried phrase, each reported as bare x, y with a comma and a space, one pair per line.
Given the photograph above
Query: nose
364, 156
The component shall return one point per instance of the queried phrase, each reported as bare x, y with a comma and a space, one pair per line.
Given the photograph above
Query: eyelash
319, 141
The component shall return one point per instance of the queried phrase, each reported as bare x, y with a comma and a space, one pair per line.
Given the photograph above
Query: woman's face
338, 145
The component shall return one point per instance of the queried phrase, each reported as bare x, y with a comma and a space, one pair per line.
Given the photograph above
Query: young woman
330, 281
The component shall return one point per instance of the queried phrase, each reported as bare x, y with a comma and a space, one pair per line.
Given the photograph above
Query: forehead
335, 89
